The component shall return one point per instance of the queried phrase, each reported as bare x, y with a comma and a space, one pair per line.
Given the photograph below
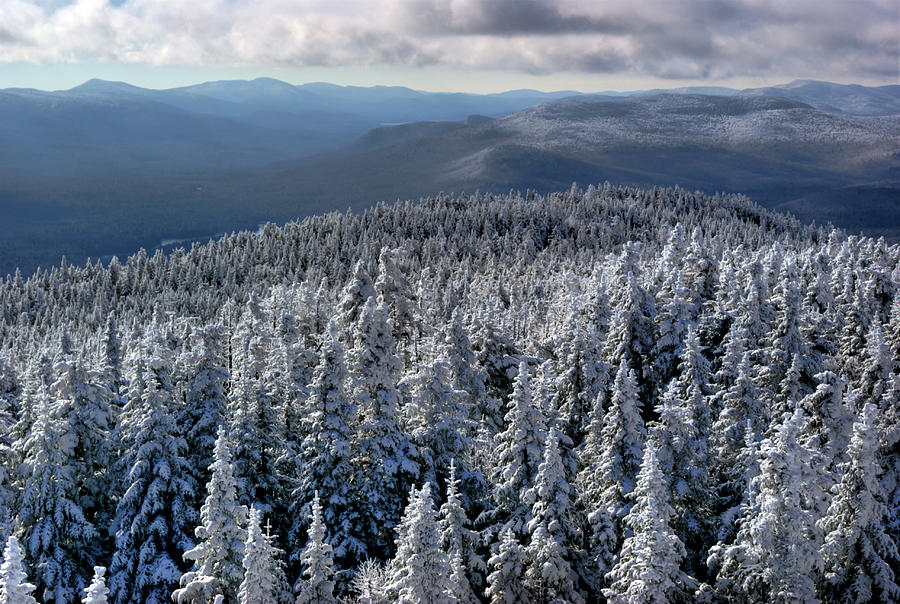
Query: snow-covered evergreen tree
317, 584
218, 555
613, 450
680, 459
56, 535
154, 515
623, 439
97, 591
263, 581
86, 407
203, 412
325, 459
459, 541
648, 566
456, 346
829, 423
385, 458
420, 571
14, 585
436, 418
553, 546
253, 410
519, 454
860, 556
788, 349
506, 583
394, 291
776, 552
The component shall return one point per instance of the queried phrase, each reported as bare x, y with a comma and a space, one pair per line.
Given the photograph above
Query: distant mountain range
107, 167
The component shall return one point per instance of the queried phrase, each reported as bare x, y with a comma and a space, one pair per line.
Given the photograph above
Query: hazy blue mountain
108, 167
852, 99
843, 98
774, 149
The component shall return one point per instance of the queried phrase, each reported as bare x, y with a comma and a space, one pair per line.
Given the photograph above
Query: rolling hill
107, 168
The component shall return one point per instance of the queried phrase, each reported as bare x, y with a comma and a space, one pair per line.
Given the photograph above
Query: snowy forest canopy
612, 394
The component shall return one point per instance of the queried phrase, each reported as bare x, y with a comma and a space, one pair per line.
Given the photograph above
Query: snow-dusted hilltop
185, 164
620, 393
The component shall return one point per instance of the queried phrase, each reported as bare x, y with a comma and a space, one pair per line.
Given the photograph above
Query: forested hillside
609, 394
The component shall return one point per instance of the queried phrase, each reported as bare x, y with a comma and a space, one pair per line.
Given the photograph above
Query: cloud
673, 39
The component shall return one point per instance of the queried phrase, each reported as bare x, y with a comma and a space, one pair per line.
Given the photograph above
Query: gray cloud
508, 18
7, 37
672, 39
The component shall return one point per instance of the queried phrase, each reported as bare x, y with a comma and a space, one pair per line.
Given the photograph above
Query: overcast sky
461, 45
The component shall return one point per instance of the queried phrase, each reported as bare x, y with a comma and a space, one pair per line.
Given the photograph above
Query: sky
451, 45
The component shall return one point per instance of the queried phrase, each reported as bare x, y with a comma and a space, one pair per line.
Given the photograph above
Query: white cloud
695, 39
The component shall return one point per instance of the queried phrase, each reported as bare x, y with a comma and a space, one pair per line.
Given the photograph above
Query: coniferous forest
610, 394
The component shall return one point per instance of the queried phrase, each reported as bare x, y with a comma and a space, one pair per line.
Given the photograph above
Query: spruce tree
96, 592
55, 532
456, 346
436, 418
860, 556
218, 555
353, 298
14, 585
506, 583
263, 581
325, 459
613, 451
317, 586
776, 551
205, 400
86, 407
254, 411
519, 454
394, 291
552, 549
829, 423
154, 515
385, 458
420, 570
648, 566
459, 541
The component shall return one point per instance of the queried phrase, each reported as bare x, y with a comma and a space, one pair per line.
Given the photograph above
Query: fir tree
743, 418
459, 541
96, 592
86, 408
456, 346
829, 423
56, 534
154, 515
217, 558
437, 418
325, 457
420, 571
681, 461
385, 460
394, 291
550, 573
519, 454
506, 583
253, 411
317, 586
647, 568
776, 551
203, 412
860, 557
613, 451
353, 297
263, 577
14, 585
